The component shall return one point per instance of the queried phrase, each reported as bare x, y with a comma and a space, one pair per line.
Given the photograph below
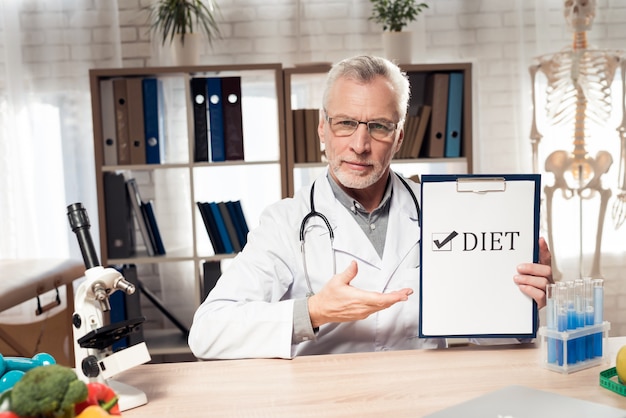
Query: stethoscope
331, 234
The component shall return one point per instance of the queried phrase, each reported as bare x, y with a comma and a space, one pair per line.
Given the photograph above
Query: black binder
120, 229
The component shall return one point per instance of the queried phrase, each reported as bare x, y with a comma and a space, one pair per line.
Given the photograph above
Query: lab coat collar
401, 236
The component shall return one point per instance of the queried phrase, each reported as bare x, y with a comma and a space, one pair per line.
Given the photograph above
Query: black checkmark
440, 244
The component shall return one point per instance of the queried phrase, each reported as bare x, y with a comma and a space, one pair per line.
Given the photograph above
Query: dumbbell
13, 368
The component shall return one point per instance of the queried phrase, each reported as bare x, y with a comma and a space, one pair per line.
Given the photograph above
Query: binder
299, 136
216, 118
153, 120
136, 131
211, 227
118, 314
236, 214
313, 146
233, 124
121, 121
418, 142
230, 226
221, 228
117, 211
107, 112
126, 307
410, 129
475, 230
455, 116
436, 96
198, 90
132, 304
136, 202
211, 272
148, 211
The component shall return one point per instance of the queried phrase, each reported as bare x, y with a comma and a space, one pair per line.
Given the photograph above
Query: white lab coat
250, 311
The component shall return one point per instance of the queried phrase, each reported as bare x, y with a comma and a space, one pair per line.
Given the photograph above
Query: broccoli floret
48, 392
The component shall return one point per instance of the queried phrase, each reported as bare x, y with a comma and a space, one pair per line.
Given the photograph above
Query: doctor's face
359, 157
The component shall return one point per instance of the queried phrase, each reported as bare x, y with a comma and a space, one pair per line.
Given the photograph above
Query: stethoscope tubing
313, 213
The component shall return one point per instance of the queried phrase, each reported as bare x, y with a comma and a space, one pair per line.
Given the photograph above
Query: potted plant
182, 22
394, 16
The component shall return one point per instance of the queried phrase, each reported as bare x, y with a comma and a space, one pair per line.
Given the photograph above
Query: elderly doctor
358, 293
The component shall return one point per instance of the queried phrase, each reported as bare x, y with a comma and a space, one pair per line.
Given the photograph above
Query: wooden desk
388, 384
23, 280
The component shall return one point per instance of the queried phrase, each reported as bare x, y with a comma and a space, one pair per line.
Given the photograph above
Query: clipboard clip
480, 184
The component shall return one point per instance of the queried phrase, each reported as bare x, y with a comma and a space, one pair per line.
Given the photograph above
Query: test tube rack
573, 350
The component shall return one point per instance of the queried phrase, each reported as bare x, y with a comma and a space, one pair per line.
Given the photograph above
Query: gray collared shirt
373, 224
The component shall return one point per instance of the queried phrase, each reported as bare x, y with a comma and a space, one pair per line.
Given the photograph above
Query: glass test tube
561, 319
589, 316
551, 320
598, 314
579, 306
571, 321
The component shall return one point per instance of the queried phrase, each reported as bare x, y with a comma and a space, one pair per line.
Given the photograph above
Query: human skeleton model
579, 95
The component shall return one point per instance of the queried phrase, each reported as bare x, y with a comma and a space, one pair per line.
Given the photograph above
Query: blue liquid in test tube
589, 316
598, 302
572, 322
579, 306
561, 320
551, 320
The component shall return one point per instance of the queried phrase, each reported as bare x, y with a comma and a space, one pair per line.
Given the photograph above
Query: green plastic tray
609, 380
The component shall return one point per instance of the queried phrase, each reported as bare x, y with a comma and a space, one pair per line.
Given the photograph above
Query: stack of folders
218, 126
414, 132
226, 225
444, 94
132, 112
146, 220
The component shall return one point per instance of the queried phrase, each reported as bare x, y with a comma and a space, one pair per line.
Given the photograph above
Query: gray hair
365, 68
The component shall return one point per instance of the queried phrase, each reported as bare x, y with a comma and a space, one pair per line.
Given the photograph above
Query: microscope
94, 358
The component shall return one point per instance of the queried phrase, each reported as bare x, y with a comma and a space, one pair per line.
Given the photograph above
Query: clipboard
475, 230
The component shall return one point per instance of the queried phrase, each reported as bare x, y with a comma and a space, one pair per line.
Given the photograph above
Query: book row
124, 208
133, 129
432, 128
217, 119
444, 95
225, 224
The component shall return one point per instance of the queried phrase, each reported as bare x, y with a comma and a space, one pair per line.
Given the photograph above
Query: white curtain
46, 143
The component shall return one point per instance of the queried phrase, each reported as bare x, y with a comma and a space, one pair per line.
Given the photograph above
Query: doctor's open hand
532, 278
338, 301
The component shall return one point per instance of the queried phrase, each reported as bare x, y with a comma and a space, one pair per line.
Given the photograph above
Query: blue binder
455, 116
216, 118
153, 120
221, 227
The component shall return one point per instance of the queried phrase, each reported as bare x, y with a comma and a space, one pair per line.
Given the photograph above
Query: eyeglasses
378, 130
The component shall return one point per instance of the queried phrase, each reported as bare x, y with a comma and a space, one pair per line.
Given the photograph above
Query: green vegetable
48, 392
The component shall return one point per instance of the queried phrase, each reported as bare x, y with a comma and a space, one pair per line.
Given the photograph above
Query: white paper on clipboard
475, 230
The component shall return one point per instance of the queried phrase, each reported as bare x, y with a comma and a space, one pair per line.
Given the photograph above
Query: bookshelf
303, 88
178, 181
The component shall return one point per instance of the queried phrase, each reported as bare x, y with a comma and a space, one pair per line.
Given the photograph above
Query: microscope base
129, 396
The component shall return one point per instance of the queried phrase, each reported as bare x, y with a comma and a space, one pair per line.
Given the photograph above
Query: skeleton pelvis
575, 173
